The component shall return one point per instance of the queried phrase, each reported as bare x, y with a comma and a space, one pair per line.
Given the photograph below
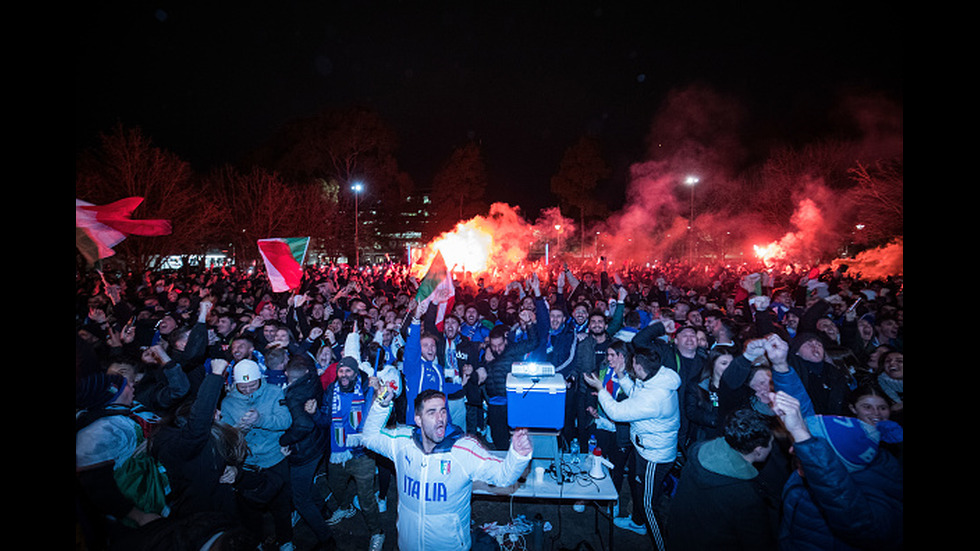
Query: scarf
452, 365
894, 388
346, 416
552, 333
612, 386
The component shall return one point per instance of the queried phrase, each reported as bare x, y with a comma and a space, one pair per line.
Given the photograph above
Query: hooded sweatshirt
718, 504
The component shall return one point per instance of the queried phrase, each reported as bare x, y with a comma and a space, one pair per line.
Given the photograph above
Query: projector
532, 369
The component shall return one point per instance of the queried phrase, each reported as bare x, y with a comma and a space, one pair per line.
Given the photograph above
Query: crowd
775, 397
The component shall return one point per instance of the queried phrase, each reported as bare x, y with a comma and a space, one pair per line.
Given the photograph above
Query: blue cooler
536, 401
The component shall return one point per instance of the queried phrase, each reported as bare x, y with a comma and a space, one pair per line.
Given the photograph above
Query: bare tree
581, 169
459, 188
880, 198
257, 204
127, 164
335, 148
783, 176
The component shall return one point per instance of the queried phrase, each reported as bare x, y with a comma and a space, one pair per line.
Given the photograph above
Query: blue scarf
346, 417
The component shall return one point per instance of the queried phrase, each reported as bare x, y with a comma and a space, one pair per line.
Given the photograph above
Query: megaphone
597, 462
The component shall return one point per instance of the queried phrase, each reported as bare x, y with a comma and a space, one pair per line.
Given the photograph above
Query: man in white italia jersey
436, 464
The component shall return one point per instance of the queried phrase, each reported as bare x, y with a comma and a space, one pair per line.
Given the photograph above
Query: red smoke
699, 133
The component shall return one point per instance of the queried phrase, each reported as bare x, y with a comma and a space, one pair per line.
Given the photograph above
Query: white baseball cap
247, 371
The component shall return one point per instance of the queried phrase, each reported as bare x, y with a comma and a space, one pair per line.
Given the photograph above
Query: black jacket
307, 441
825, 383
188, 451
720, 504
499, 367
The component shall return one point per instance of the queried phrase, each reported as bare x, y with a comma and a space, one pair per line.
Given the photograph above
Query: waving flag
439, 286
99, 228
284, 257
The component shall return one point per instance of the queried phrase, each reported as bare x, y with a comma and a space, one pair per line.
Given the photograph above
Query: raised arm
373, 435
501, 472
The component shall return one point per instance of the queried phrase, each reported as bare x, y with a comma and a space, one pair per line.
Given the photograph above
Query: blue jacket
477, 332
274, 419
832, 508
420, 374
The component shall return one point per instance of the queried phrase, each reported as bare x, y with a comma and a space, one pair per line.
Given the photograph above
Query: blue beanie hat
854, 442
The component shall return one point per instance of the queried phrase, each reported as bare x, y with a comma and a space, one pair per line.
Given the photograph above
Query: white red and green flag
437, 286
99, 228
284, 258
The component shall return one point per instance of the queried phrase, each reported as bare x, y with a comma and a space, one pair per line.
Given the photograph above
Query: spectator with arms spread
436, 465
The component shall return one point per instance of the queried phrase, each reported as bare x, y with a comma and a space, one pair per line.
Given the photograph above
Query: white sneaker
341, 514
377, 542
628, 524
579, 507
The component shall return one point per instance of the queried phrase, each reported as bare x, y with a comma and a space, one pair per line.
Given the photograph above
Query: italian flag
439, 286
284, 257
99, 228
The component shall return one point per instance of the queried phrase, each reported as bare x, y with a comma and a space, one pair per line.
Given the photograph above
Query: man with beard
473, 327
580, 318
498, 358
345, 405
436, 465
557, 347
459, 356
589, 356
681, 354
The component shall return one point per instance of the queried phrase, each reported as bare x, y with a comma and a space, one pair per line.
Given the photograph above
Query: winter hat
802, 338
348, 361
854, 442
98, 390
247, 371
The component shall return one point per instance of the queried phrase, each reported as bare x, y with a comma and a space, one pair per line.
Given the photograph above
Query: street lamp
356, 187
691, 181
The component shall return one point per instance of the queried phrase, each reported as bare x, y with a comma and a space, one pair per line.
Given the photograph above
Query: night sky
210, 80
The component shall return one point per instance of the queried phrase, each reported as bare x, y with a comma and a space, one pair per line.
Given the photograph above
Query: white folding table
573, 484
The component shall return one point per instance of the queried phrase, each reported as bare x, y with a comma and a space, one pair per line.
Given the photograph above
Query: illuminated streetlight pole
357, 187
691, 181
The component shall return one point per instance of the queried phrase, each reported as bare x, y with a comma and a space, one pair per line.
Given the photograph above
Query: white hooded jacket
434, 489
652, 411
